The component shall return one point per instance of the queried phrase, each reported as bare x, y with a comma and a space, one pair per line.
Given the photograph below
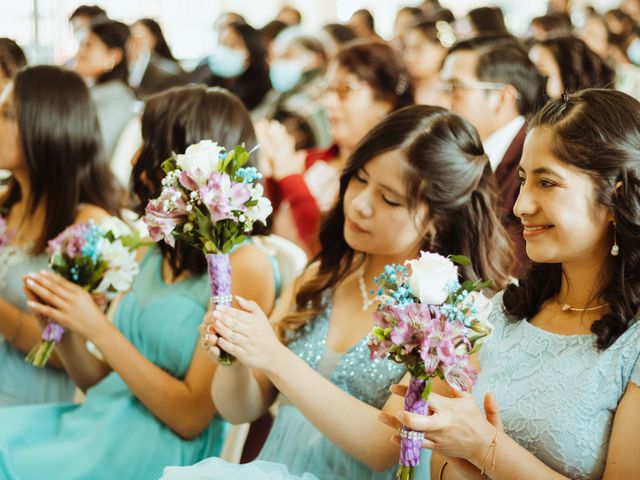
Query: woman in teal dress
51, 146
147, 403
396, 199
563, 363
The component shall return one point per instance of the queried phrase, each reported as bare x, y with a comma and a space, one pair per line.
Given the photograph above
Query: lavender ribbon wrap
52, 332
219, 270
410, 440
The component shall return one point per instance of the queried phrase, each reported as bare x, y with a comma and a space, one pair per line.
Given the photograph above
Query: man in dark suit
491, 82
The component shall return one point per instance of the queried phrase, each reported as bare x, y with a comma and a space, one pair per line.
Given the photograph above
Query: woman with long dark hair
152, 33
563, 362
51, 144
364, 83
102, 62
418, 181
570, 65
238, 63
147, 401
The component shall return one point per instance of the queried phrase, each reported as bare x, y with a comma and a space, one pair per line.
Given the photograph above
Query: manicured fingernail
30, 282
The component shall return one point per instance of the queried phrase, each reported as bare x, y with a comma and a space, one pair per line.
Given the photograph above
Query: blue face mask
633, 51
227, 62
285, 74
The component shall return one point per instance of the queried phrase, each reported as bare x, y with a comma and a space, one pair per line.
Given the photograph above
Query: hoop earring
615, 249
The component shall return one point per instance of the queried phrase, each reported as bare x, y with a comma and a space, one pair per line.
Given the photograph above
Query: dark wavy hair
448, 172
379, 66
580, 67
173, 120
61, 143
161, 47
114, 35
12, 57
597, 131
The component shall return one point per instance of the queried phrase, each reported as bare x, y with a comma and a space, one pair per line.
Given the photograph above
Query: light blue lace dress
557, 394
21, 383
295, 448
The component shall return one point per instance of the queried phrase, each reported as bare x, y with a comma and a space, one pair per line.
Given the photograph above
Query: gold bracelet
492, 448
18, 327
444, 465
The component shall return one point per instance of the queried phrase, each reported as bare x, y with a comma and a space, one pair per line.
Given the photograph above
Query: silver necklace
366, 301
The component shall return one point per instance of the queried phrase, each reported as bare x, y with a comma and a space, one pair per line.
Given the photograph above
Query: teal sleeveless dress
295, 449
21, 383
112, 434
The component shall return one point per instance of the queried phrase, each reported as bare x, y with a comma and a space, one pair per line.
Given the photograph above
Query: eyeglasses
457, 87
342, 90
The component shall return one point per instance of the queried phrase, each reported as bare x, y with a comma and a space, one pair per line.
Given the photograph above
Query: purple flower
446, 352
70, 242
187, 181
462, 376
164, 214
222, 197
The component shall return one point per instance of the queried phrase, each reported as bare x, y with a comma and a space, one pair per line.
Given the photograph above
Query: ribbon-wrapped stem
410, 440
40, 354
219, 269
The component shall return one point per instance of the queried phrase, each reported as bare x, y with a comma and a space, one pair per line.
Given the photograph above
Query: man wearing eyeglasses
491, 82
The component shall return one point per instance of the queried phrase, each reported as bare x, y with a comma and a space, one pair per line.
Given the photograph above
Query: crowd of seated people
454, 136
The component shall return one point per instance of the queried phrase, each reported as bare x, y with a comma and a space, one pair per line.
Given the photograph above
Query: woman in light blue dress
563, 363
329, 391
147, 401
50, 144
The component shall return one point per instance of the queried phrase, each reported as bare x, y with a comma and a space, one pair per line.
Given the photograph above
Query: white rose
200, 160
122, 267
431, 277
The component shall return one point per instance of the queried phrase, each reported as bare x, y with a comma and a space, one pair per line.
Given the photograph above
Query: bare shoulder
88, 212
250, 259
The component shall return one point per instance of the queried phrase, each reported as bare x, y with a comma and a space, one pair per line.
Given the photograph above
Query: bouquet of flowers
5, 234
99, 258
211, 201
429, 322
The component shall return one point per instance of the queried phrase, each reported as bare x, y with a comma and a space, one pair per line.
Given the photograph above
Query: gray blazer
115, 104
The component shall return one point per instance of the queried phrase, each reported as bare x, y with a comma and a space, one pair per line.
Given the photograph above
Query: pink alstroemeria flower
462, 376
161, 222
221, 196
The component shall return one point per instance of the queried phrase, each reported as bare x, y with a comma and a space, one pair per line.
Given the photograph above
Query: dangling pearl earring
615, 249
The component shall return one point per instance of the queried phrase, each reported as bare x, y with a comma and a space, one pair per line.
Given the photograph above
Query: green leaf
468, 285
169, 165
460, 259
427, 390
483, 284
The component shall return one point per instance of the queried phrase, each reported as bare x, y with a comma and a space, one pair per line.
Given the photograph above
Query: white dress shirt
496, 145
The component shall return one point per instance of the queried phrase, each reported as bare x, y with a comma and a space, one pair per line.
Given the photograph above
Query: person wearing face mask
296, 75
365, 82
237, 63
